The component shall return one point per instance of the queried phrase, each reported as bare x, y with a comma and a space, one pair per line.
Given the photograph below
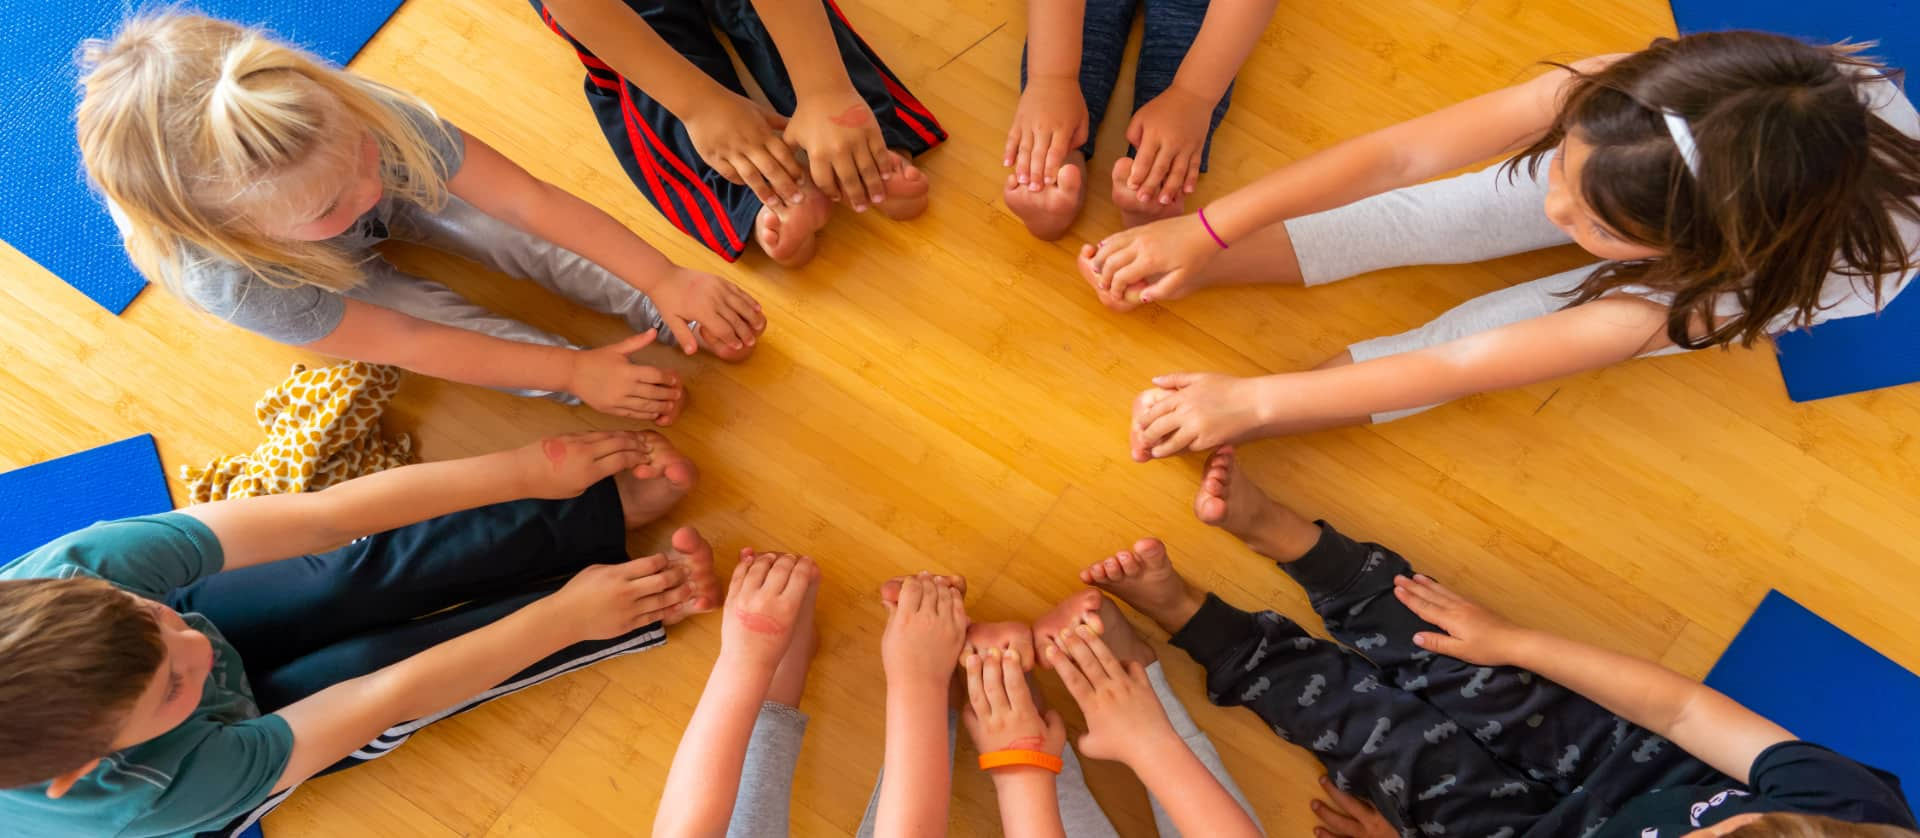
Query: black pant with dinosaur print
1441, 746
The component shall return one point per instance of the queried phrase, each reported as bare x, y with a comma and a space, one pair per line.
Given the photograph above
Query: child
926, 628
1132, 716
721, 167
252, 181
1735, 185
1189, 54
733, 771
1453, 721
179, 673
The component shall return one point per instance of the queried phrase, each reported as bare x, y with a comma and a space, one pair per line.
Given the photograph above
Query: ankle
1177, 612
1285, 537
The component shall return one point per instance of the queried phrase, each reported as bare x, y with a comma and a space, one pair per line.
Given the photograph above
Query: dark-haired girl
1734, 184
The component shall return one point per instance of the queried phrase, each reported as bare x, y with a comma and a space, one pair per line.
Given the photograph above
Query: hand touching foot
789, 233
764, 602
1001, 714
1136, 207
1010, 641
1049, 209
926, 627
691, 554
906, 188
1088, 608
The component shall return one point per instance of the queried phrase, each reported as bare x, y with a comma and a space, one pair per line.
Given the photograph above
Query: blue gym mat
1813, 679
41, 502
46, 209
1858, 353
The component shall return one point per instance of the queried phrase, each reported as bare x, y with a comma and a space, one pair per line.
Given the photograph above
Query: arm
918, 650
1051, 119
502, 189
1712, 727
1227, 36
270, 527
1001, 715
1194, 800
764, 600
604, 378
1029, 804
1169, 132
600, 602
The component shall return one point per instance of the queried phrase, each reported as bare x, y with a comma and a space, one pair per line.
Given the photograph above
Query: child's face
335, 202
1568, 211
176, 686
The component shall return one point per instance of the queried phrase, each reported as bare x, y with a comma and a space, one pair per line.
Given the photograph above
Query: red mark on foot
760, 623
853, 116
555, 450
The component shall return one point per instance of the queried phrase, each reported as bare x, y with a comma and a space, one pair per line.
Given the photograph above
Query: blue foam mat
46, 209
1858, 353
1813, 679
41, 502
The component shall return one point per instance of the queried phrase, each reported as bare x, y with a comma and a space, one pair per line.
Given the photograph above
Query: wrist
1195, 92
555, 621
1021, 778
1525, 647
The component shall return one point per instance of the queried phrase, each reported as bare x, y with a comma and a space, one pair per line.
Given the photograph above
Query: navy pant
653, 145
1171, 26
1434, 742
306, 623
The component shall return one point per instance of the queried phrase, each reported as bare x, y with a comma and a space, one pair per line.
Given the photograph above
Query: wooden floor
946, 394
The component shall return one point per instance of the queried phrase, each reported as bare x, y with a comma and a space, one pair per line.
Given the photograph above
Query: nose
1559, 205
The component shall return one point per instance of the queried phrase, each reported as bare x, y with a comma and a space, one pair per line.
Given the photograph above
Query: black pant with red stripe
653, 144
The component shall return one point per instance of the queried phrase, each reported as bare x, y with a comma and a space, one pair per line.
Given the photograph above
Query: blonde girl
253, 180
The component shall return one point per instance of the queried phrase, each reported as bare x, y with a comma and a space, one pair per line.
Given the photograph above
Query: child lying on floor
1454, 721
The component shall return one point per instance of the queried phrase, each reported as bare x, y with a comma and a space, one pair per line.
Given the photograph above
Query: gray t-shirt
305, 313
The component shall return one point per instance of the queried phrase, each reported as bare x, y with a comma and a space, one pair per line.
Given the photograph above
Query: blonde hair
1786, 825
192, 126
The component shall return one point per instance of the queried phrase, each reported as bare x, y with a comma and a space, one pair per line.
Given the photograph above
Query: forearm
807, 45
917, 778
333, 723
563, 218
1053, 38
620, 37
379, 335
1226, 38
1029, 803
1193, 799
705, 778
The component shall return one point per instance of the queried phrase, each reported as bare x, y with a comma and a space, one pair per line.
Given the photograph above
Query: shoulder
1809, 778
122, 551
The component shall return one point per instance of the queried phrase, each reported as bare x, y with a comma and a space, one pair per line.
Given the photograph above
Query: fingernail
859, 207
971, 660
1023, 178
1316, 804
798, 197
993, 653
1083, 630
878, 198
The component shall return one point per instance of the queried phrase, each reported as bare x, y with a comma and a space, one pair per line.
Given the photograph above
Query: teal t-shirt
219, 764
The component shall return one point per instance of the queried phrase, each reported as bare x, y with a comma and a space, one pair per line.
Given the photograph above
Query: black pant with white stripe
307, 623
1441, 746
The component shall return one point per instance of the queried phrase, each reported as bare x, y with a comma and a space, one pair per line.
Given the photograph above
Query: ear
64, 782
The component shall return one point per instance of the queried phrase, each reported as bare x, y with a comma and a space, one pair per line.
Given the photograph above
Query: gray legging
1079, 812
464, 230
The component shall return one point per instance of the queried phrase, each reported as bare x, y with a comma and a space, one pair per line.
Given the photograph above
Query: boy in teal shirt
180, 674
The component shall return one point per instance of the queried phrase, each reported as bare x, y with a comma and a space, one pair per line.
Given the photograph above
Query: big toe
1210, 509
688, 542
1068, 178
1151, 551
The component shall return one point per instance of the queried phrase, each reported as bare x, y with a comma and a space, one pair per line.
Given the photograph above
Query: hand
845, 150
608, 600
741, 141
609, 382
763, 602
1168, 133
1124, 719
1050, 122
1156, 261
1195, 411
1000, 713
563, 466
924, 631
726, 314
1472, 633
1346, 816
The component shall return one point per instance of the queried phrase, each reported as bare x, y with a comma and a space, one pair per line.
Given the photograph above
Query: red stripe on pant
719, 209
908, 108
636, 124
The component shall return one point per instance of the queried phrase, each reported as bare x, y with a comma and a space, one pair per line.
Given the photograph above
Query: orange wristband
1005, 759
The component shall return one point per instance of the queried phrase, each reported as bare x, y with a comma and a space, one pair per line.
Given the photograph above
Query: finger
630, 345
1070, 675
821, 170
1182, 439
1143, 161
976, 689
1083, 657
1056, 155
651, 606
614, 446
1038, 174
642, 567
1157, 175
1193, 173
1102, 653
1437, 591
1346, 802
749, 321
1136, 272
1420, 599
1162, 427
993, 682
1176, 380
867, 163
737, 582
912, 591
851, 191
780, 184
1023, 158
1169, 284
1115, 264
723, 329
937, 597
1175, 178
724, 166
1336, 822
1014, 133
1014, 681
682, 333
957, 606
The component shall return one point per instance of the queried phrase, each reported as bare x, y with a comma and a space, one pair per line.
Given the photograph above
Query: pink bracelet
1216, 236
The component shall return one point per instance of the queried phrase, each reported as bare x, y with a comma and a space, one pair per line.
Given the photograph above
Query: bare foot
1084, 262
788, 233
1135, 210
890, 589
1049, 209
906, 189
1087, 607
1015, 639
1230, 500
1145, 579
691, 552
647, 492
790, 678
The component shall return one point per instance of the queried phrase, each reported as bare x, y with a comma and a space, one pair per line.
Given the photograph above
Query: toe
1150, 550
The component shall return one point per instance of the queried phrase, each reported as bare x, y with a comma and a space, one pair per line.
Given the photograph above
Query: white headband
1683, 137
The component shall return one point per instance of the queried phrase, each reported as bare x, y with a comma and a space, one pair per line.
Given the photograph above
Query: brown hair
1784, 825
75, 654
1798, 178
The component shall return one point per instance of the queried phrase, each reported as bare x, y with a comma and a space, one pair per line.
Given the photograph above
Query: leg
388, 287
762, 803
653, 145
464, 230
1080, 813
1198, 743
1049, 207
1351, 586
